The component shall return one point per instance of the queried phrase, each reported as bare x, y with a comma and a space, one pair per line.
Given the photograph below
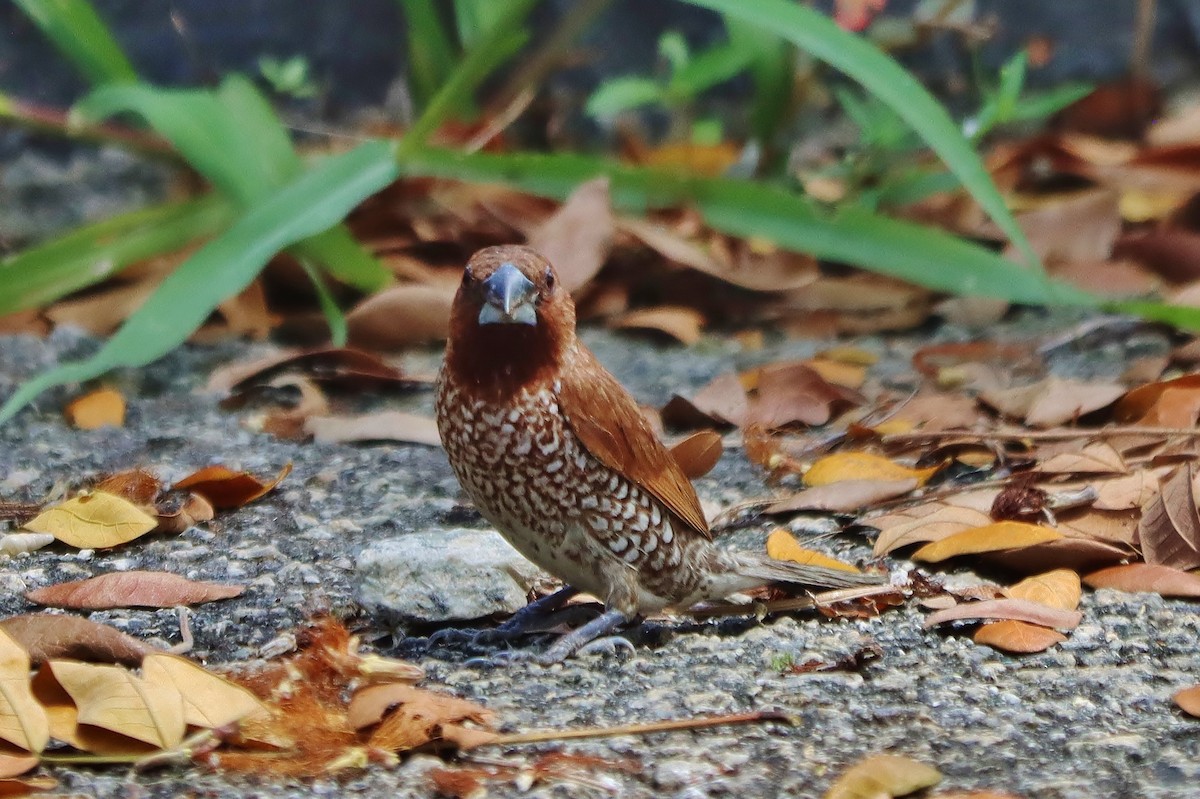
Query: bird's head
510, 307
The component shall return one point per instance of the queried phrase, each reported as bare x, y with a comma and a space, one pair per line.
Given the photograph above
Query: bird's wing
612, 428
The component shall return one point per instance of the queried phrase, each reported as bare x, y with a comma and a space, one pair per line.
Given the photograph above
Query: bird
558, 457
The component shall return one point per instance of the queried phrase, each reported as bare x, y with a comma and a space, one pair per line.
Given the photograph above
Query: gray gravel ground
1091, 718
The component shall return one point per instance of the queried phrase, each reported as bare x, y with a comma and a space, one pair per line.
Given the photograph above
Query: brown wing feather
612, 428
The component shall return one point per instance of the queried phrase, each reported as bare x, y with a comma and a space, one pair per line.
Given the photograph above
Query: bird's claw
608, 645
556, 654
451, 635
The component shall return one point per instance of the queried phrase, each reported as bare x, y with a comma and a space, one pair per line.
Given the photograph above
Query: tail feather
769, 570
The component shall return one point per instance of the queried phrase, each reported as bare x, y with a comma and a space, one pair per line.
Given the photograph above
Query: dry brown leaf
418, 717
12, 765
49, 636
287, 422
130, 589
23, 722
1007, 609
839, 373
97, 520
192, 511
104, 407
208, 700
846, 496
225, 488
842, 466
101, 312
401, 316
1127, 493
1169, 531
698, 453
991, 537
1018, 636
246, 313
113, 699
1168, 403
339, 366
1076, 227
781, 545
933, 411
578, 236
1147, 578
681, 323
938, 521
883, 777
136, 485
1097, 457
722, 402
1189, 700
1080, 554
790, 392
1053, 401
409, 428
1058, 589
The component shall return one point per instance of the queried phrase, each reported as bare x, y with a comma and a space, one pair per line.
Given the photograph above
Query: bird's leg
517, 625
587, 637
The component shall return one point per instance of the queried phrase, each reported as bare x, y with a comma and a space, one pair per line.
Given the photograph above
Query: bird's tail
769, 570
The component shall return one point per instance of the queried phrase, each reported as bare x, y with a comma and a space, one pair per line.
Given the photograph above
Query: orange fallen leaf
1189, 700
681, 323
136, 485
1018, 636
132, 589
1146, 578
996, 536
1060, 589
781, 545
94, 521
104, 407
698, 453
842, 466
883, 777
11, 766
1168, 403
225, 488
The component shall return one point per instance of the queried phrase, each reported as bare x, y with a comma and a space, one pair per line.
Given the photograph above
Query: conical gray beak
509, 298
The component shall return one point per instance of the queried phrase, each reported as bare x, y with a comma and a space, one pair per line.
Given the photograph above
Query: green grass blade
431, 54
311, 203
814, 32
921, 255
621, 94
88, 255
78, 32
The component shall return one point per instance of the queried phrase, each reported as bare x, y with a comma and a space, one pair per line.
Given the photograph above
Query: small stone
444, 574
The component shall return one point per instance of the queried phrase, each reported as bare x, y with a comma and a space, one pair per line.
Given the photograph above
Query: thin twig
501, 121
58, 122
1045, 435
759, 609
539, 736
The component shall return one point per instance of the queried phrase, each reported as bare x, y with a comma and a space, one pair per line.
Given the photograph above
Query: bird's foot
589, 639
527, 620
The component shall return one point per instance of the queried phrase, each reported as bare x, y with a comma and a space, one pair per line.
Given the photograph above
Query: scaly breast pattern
531, 477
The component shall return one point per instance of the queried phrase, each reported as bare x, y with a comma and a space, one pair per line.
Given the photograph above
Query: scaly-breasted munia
558, 457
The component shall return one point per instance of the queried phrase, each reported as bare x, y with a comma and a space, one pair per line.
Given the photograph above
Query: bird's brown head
510, 317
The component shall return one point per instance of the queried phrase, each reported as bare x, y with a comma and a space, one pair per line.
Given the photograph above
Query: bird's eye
549, 279
468, 276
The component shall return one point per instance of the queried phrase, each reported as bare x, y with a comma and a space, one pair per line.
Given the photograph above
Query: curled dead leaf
225, 488
1001, 609
104, 407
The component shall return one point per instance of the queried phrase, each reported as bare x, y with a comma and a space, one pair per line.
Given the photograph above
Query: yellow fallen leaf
891, 427
989, 538
94, 521
862, 466
22, 720
883, 777
850, 375
781, 545
116, 700
208, 699
104, 407
1060, 589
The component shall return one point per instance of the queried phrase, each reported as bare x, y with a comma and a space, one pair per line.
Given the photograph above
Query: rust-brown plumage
557, 455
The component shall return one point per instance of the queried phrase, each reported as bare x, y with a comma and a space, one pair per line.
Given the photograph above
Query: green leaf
477, 19
621, 94
1039, 105
431, 55
234, 139
772, 66
921, 255
674, 48
88, 255
312, 202
887, 80
710, 68
79, 34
